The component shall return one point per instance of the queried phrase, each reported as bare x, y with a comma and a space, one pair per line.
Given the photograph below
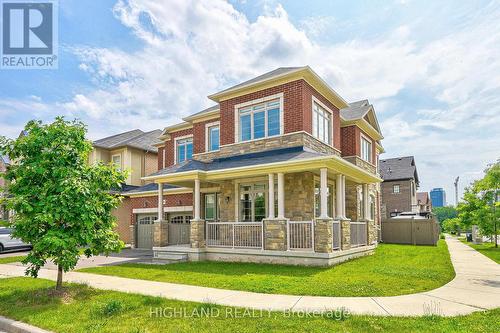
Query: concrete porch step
169, 256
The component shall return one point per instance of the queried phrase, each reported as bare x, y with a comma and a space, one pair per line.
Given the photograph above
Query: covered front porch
308, 211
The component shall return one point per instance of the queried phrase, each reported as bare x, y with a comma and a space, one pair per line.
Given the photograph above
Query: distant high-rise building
438, 197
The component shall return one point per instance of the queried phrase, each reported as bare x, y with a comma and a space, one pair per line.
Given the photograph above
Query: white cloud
194, 48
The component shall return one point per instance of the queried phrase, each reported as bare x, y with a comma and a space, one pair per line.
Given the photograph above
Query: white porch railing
235, 234
337, 236
358, 234
300, 235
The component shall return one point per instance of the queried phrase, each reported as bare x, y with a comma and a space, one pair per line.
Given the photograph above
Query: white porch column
160, 202
271, 196
343, 196
281, 195
366, 206
324, 192
338, 197
196, 199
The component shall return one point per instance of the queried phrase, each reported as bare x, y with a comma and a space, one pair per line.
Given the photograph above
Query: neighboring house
399, 187
424, 202
135, 152
4, 163
438, 197
280, 170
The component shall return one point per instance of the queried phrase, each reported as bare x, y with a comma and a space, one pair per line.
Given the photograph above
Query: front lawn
83, 309
9, 260
488, 249
392, 270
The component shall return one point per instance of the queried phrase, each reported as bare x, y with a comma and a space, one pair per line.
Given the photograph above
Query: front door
253, 203
179, 229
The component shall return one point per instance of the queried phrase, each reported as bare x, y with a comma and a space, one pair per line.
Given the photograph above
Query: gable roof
423, 197
134, 138
398, 168
361, 110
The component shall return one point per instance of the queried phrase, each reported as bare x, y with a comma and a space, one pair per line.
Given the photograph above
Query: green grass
488, 249
83, 309
392, 270
8, 260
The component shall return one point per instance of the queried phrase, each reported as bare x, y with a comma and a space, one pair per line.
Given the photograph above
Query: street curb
13, 326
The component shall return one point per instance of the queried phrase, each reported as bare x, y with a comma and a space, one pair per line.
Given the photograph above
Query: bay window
184, 149
259, 120
322, 124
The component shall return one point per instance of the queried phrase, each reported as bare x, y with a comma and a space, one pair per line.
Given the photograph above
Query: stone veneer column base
197, 236
371, 232
323, 235
160, 233
345, 229
275, 234
132, 235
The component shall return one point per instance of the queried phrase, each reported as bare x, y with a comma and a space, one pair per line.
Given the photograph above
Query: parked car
7, 242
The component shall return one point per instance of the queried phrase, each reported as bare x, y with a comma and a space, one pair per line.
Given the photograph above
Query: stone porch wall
356, 160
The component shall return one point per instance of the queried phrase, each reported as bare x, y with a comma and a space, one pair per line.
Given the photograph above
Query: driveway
125, 256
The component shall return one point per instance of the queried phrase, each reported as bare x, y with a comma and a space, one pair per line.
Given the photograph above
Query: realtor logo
29, 33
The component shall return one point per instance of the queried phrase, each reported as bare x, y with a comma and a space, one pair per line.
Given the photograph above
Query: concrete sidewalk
476, 287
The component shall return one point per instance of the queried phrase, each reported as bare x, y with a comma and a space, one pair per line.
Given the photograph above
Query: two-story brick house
399, 188
281, 169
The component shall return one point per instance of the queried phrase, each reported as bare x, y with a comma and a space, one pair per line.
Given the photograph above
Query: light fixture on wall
228, 199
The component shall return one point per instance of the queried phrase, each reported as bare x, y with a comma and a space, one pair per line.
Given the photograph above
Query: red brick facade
171, 200
169, 146
351, 142
199, 137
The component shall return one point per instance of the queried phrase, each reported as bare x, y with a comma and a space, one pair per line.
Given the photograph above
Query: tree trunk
59, 277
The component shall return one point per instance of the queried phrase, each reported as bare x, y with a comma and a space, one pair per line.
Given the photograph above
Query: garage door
145, 231
179, 229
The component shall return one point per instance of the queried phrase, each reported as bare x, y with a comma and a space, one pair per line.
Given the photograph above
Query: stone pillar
132, 235
372, 232
339, 197
323, 235
366, 204
160, 202
281, 196
275, 234
197, 236
345, 229
324, 193
271, 196
160, 233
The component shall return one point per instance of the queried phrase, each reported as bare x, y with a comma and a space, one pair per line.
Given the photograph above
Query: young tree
62, 204
451, 225
444, 213
480, 203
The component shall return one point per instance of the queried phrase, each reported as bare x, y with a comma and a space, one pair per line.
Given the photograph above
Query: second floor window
260, 121
117, 161
366, 150
395, 189
213, 138
322, 124
184, 149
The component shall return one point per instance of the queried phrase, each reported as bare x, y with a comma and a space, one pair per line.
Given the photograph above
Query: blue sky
430, 68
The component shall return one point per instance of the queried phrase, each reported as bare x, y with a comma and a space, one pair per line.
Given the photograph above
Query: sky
430, 68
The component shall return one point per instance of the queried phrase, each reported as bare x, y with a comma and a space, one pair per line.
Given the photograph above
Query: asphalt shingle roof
398, 168
207, 110
145, 188
271, 156
356, 110
135, 138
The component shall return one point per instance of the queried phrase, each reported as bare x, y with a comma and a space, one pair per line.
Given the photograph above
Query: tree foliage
62, 203
444, 213
481, 202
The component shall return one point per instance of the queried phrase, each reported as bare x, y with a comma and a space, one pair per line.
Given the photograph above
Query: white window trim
399, 188
314, 99
207, 134
237, 107
362, 136
120, 156
175, 144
